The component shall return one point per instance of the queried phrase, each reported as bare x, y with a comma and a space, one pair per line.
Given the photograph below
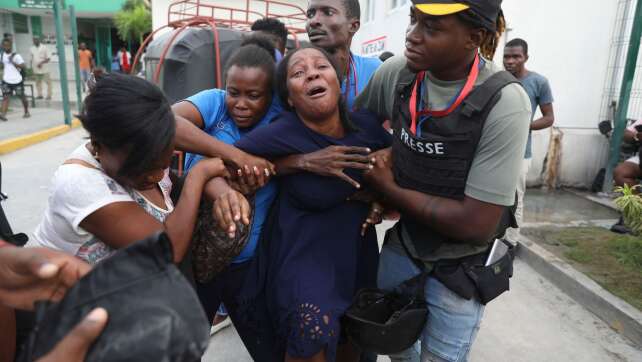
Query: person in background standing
115, 64
275, 30
86, 63
8, 36
12, 80
124, 59
40, 58
142, 72
540, 94
331, 26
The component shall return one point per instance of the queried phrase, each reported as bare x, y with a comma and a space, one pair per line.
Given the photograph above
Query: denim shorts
452, 323
84, 74
9, 89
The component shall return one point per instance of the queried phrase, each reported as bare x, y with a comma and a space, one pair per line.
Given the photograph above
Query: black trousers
225, 288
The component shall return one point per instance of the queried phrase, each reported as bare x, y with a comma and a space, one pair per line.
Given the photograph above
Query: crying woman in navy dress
313, 258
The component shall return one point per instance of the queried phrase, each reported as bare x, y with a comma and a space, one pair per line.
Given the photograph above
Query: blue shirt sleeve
211, 104
366, 68
545, 92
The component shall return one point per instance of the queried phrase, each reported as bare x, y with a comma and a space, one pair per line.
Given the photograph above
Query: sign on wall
38, 4
374, 47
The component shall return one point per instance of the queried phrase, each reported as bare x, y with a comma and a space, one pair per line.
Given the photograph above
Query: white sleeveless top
77, 191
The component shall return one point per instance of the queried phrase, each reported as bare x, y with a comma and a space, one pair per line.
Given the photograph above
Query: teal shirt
539, 92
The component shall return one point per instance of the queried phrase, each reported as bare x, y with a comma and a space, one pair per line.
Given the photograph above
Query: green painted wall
98, 6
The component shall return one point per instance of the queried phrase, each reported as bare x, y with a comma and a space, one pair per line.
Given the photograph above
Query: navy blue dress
313, 258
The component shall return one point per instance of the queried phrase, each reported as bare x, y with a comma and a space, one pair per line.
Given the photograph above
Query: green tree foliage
134, 20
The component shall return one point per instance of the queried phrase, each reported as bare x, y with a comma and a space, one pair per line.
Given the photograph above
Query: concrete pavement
46, 116
534, 322
41, 118
26, 175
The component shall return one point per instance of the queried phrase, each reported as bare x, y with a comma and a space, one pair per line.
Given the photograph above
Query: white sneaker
221, 325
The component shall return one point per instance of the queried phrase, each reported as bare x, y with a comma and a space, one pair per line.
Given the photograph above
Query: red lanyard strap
463, 93
352, 68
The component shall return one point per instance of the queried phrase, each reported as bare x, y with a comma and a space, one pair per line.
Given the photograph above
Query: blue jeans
452, 324
84, 76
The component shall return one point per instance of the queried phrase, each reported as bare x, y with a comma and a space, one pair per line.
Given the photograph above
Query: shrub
630, 204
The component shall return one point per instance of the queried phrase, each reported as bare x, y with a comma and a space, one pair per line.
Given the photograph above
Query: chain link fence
617, 58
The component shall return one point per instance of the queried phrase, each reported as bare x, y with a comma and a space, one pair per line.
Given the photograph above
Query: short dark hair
260, 40
273, 26
255, 52
353, 9
284, 93
490, 41
518, 42
125, 112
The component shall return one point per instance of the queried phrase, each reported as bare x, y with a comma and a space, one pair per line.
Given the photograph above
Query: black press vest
437, 163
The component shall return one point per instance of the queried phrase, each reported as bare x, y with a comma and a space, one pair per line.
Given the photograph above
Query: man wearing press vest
460, 128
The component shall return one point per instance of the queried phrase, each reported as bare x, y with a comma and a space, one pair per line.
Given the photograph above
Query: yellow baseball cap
440, 7
487, 10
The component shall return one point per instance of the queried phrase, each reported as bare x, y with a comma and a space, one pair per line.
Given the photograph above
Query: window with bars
20, 23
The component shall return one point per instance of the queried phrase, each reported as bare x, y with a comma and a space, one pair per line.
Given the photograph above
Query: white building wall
159, 13
387, 22
569, 45
23, 41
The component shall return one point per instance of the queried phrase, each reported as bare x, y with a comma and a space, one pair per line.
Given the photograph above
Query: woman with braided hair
460, 129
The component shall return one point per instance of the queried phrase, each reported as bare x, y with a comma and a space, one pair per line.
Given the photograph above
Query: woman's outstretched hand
251, 170
332, 161
248, 180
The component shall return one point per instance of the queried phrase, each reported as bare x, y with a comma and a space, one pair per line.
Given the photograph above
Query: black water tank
190, 63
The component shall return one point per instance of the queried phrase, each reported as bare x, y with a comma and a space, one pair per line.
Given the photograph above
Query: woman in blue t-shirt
224, 117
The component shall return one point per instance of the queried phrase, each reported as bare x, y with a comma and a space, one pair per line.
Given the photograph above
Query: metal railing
248, 11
